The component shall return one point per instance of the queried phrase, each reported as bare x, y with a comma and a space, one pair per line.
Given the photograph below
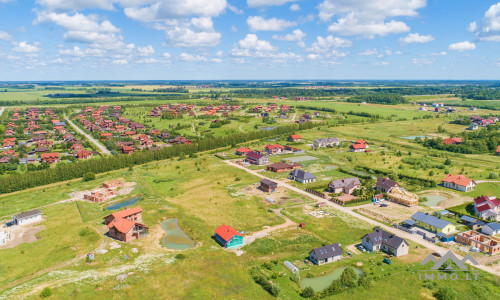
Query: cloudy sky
249, 39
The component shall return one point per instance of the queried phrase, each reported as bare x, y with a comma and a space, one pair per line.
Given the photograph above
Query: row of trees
379, 98
473, 142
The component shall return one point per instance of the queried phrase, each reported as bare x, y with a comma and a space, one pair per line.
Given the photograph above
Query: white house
491, 228
487, 207
458, 182
326, 254
329, 142
28, 217
302, 176
380, 240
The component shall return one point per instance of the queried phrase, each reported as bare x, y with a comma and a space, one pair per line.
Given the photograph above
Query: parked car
384, 205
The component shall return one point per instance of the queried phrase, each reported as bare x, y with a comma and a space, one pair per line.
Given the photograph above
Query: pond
175, 238
267, 128
433, 199
320, 283
124, 203
414, 137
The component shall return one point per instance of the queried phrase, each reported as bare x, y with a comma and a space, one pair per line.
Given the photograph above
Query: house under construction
402, 196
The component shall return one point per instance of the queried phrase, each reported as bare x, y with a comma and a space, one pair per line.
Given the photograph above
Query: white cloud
234, 28
422, 61
25, 47
169, 9
462, 46
264, 3
368, 17
77, 51
381, 63
191, 57
235, 10
86, 29
257, 23
368, 52
442, 53
216, 60
416, 38
4, 36
296, 36
120, 62
166, 55
148, 60
251, 46
294, 7
146, 51
322, 45
72, 5
489, 28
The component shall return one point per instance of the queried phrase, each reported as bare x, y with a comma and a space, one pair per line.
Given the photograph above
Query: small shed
291, 267
302, 225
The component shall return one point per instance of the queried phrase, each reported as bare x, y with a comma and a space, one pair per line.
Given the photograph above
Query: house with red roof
242, 151
358, 147
77, 147
256, 158
274, 149
295, 138
127, 150
487, 207
50, 157
458, 182
498, 150
126, 225
83, 154
229, 237
453, 141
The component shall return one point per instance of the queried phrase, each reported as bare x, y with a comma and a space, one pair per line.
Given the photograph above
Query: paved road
99, 145
412, 237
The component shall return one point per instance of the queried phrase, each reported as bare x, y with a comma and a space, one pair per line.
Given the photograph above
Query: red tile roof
227, 232
127, 212
295, 136
361, 142
271, 147
452, 141
457, 179
485, 203
358, 146
498, 149
122, 225
243, 150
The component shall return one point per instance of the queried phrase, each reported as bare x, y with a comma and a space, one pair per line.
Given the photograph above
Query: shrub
308, 292
46, 292
349, 277
493, 175
180, 256
89, 176
445, 293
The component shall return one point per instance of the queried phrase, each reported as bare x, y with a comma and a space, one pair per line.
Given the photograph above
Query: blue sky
249, 39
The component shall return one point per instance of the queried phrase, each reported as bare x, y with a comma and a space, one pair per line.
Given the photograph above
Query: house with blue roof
471, 222
492, 228
433, 224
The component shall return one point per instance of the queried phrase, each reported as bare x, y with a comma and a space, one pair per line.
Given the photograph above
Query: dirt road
2, 110
414, 238
260, 234
99, 145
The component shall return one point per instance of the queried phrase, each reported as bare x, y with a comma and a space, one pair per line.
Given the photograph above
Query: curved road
99, 145
1, 111
403, 234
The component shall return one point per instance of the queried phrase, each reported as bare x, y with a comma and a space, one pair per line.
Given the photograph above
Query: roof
328, 251
379, 236
493, 225
468, 219
276, 146
122, 225
348, 182
358, 146
302, 174
458, 179
327, 141
498, 149
254, 155
409, 222
243, 149
386, 183
281, 165
226, 232
126, 212
267, 182
28, 214
430, 220
452, 141
295, 136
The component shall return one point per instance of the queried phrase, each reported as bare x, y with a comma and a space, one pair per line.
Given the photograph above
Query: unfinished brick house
488, 244
125, 225
98, 196
113, 183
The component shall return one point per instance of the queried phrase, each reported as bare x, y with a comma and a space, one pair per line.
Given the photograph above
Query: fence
315, 193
